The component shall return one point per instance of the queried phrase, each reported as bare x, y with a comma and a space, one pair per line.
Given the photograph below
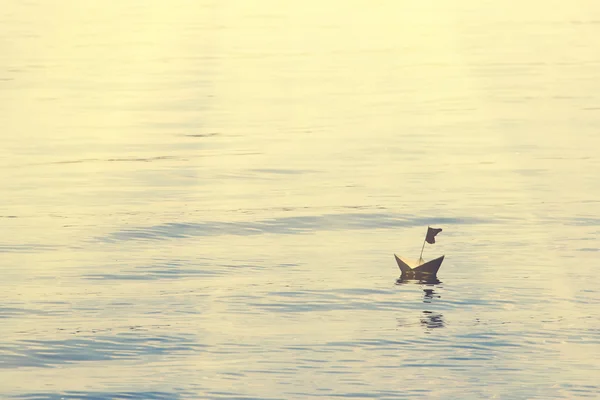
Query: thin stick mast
421, 256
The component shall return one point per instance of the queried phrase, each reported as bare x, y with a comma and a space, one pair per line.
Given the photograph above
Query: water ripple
143, 395
24, 248
167, 270
47, 353
283, 226
15, 312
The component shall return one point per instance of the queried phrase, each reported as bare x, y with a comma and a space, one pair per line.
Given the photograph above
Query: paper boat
428, 269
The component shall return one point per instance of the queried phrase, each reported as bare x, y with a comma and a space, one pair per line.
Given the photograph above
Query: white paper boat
430, 268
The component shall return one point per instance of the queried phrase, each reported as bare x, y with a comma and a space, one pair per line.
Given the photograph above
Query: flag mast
423, 247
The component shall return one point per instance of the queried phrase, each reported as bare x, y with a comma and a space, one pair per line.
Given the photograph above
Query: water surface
202, 200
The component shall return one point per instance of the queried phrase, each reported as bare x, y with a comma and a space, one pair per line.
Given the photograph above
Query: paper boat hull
429, 268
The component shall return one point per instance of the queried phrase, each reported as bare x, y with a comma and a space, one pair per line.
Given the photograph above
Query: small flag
431, 232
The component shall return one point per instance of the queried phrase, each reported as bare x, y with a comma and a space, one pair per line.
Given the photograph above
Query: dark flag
431, 232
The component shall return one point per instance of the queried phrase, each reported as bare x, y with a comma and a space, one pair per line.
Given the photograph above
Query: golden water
202, 199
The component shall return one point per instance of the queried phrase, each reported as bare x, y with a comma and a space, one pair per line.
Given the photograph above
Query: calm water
201, 199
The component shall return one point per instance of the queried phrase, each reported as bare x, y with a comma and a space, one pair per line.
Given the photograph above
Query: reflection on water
426, 280
428, 319
432, 320
429, 295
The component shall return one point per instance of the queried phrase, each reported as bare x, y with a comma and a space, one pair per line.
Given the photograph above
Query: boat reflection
425, 280
428, 319
430, 294
432, 320
429, 286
